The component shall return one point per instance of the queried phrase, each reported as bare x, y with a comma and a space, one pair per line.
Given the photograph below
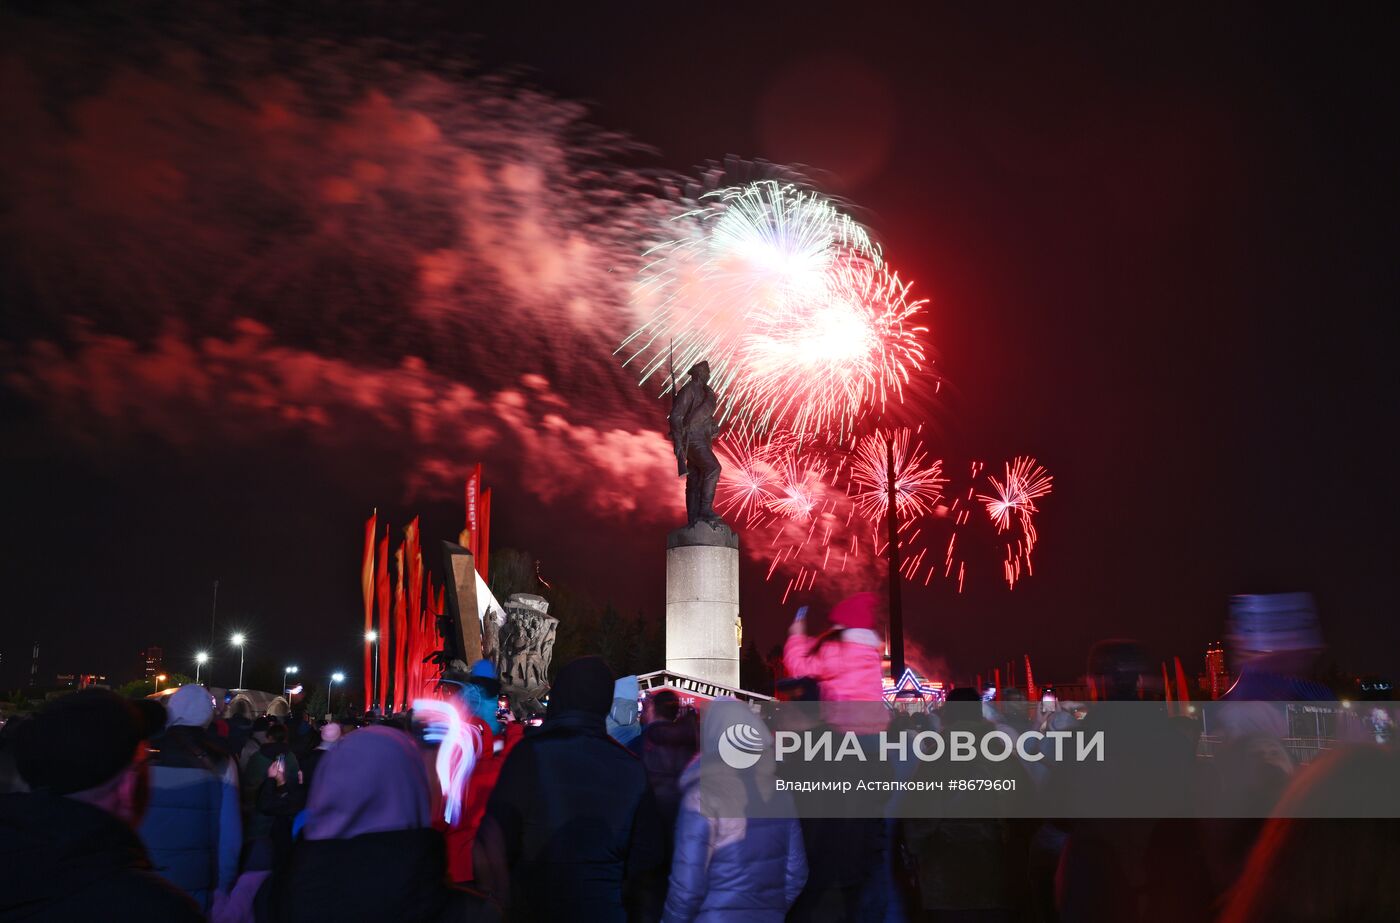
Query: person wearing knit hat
1275, 640
67, 847
190, 706
845, 661
193, 827
572, 823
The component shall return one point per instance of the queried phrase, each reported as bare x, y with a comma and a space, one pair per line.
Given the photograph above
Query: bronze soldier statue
693, 426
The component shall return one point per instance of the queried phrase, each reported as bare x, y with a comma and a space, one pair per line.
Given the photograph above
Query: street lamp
159, 678
335, 678
237, 641
372, 637
285, 671
200, 660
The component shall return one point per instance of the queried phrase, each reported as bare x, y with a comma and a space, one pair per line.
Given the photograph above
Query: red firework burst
1014, 504
749, 479
1025, 482
918, 483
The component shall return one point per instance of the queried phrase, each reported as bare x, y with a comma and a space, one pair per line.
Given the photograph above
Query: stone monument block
702, 603
523, 650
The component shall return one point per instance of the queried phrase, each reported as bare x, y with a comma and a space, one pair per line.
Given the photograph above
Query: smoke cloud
231, 240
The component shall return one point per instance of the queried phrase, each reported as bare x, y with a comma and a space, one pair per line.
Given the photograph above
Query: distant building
81, 680
151, 660
1216, 680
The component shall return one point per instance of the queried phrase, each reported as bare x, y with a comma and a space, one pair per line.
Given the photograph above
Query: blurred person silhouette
479, 691
845, 661
1275, 641
1332, 849
571, 823
329, 735
1117, 864
666, 746
738, 850
68, 846
368, 851
968, 860
193, 828
273, 791
845, 855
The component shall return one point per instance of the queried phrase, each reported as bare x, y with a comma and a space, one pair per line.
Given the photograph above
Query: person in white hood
192, 827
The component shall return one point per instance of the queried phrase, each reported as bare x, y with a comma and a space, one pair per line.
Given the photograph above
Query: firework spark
1025, 483
804, 326
1013, 504
918, 483
746, 490
801, 490
814, 366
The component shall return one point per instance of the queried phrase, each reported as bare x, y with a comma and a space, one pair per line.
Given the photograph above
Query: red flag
1183, 691
473, 500
400, 631
367, 589
483, 542
382, 588
413, 559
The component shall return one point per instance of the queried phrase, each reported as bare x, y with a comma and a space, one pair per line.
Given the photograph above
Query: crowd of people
115, 809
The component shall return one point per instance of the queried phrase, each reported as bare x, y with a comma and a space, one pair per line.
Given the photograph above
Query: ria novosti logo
740, 746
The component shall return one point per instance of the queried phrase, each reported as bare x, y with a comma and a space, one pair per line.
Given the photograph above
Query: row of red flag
407, 601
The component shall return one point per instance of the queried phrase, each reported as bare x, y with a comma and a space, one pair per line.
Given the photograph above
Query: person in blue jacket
729, 864
192, 826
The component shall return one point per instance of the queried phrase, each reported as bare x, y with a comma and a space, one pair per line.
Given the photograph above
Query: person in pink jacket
845, 660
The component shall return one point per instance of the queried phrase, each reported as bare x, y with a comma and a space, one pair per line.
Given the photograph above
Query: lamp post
159, 678
285, 671
200, 660
237, 641
896, 603
330, 691
372, 637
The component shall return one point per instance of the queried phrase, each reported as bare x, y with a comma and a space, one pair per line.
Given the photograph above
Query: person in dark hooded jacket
666, 746
368, 850
68, 850
571, 830
264, 806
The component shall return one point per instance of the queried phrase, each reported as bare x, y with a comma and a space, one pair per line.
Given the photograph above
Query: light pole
896, 603
335, 678
285, 671
200, 660
372, 637
159, 678
237, 641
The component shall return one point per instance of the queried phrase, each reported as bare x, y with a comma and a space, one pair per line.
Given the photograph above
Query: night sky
263, 273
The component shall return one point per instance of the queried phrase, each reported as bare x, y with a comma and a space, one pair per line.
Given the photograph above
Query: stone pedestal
702, 603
